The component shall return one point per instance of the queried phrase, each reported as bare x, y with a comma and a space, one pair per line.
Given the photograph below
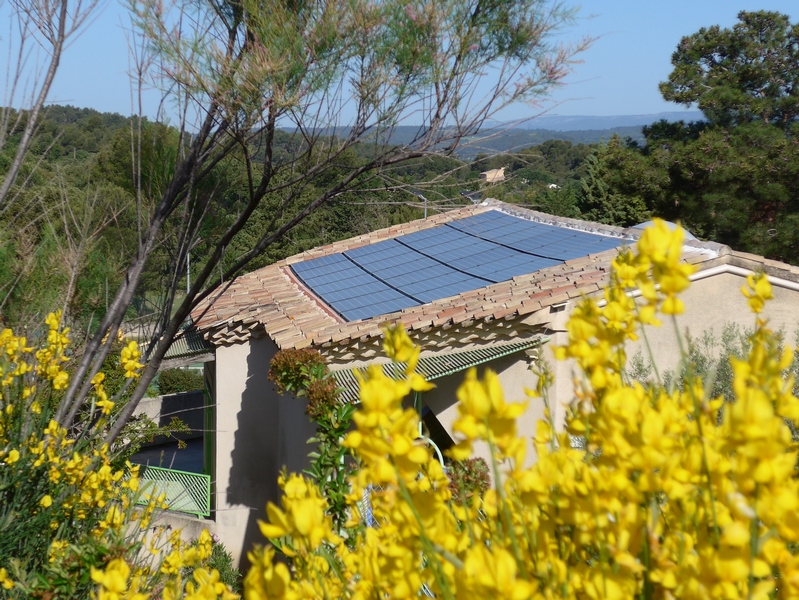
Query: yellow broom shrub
664, 496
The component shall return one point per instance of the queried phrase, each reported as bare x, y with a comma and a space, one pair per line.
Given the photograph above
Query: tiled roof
272, 301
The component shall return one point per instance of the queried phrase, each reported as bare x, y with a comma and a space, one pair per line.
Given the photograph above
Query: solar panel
529, 237
442, 261
503, 272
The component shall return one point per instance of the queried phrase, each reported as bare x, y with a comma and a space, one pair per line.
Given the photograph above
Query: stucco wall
258, 432
710, 304
514, 375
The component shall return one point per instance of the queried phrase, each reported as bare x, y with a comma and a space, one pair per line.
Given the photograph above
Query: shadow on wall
272, 433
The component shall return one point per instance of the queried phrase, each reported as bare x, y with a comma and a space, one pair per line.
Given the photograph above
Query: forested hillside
72, 229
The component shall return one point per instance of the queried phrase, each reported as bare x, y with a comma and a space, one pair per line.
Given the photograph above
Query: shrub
323, 395
222, 561
667, 499
293, 370
70, 526
304, 373
175, 381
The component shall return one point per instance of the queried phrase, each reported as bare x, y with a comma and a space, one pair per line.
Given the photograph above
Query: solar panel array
442, 261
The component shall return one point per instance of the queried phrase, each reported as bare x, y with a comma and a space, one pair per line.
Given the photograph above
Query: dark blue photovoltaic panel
348, 289
442, 261
533, 264
414, 274
529, 237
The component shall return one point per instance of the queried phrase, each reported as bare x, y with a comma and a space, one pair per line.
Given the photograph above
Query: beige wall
514, 375
710, 304
258, 433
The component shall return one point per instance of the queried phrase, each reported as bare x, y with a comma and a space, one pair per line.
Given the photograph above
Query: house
490, 285
493, 175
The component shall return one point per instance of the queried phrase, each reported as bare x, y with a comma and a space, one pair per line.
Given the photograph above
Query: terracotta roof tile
272, 301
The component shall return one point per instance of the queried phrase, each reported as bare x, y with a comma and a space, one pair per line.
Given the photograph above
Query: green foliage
600, 203
735, 76
469, 479
710, 358
92, 158
733, 179
739, 187
332, 464
222, 561
62, 500
293, 370
563, 201
67, 235
175, 381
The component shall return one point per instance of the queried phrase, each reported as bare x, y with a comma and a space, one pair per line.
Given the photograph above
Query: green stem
429, 547
652, 360
753, 545
504, 509
700, 430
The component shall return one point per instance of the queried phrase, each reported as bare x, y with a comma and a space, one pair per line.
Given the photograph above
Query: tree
50, 23
600, 201
732, 178
285, 89
739, 75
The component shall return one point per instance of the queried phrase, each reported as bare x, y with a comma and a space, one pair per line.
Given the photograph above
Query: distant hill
509, 137
82, 129
493, 141
588, 123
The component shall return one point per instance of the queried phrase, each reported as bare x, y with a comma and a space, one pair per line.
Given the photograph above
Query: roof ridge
386, 233
628, 233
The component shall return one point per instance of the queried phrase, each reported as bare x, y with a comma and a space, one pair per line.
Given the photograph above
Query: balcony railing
184, 492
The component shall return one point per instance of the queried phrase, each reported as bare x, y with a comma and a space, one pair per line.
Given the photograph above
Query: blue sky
632, 52
619, 75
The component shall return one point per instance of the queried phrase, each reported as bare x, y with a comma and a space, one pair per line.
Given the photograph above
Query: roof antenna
420, 195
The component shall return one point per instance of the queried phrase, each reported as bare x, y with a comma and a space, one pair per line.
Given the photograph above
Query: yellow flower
129, 359
60, 380
5, 580
304, 515
483, 413
757, 292
113, 582
266, 580
399, 347
493, 573
46, 501
206, 585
